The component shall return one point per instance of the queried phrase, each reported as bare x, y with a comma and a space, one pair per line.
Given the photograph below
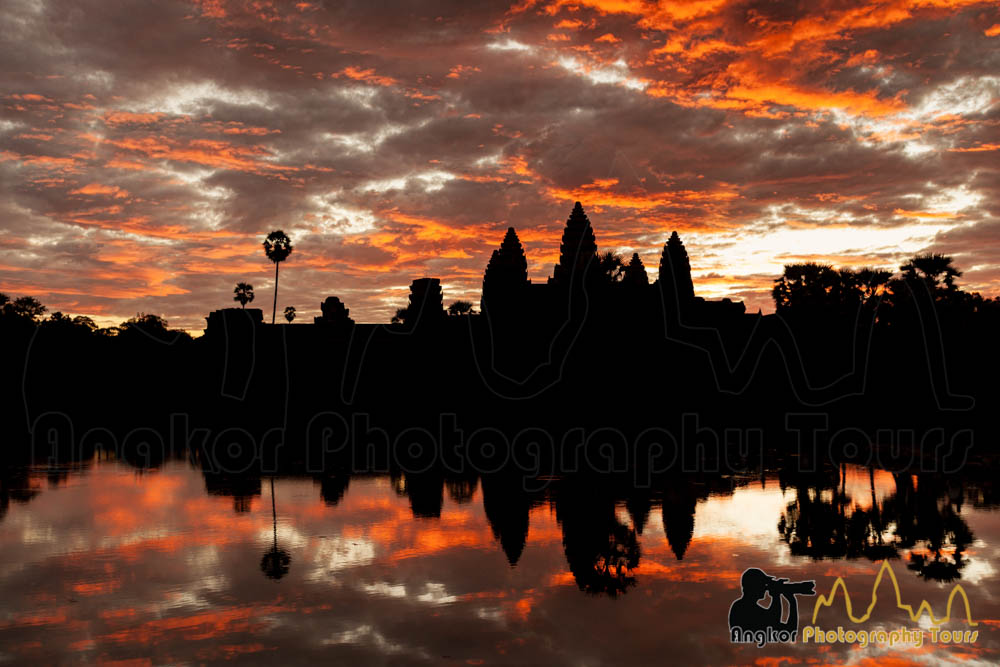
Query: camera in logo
751, 623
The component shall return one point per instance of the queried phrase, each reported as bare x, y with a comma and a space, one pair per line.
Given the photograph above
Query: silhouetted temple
584, 284
577, 251
635, 273
509, 294
506, 275
334, 313
426, 301
600, 334
675, 272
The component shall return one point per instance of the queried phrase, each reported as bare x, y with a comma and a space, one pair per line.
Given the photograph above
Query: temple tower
578, 249
635, 273
675, 272
506, 274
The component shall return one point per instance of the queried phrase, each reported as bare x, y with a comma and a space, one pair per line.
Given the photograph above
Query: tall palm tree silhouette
275, 562
277, 247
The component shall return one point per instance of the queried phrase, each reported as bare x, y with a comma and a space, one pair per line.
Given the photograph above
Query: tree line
28, 311
924, 280
806, 289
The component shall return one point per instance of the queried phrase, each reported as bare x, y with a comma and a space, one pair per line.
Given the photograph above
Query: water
104, 562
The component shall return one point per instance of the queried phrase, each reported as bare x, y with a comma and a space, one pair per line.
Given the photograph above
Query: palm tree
612, 266
932, 269
460, 308
810, 285
244, 294
289, 313
277, 247
872, 282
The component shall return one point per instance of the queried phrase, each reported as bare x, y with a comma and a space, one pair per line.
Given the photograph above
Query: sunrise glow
143, 159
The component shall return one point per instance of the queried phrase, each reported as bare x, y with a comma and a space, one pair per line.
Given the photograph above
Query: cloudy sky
147, 147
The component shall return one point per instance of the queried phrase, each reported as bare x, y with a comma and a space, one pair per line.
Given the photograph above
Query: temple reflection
333, 487
678, 508
461, 488
241, 488
16, 485
507, 506
841, 511
274, 562
601, 551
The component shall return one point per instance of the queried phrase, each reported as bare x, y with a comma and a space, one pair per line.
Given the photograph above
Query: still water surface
102, 562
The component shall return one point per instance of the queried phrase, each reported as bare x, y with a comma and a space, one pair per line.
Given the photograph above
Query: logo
752, 623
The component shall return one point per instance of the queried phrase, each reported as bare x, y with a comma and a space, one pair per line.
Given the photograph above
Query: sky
146, 148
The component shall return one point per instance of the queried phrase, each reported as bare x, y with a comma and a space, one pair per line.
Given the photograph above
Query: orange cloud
429, 229
924, 214
29, 97
115, 118
99, 189
458, 70
783, 94
366, 75
600, 193
207, 152
254, 131
65, 164
117, 163
976, 149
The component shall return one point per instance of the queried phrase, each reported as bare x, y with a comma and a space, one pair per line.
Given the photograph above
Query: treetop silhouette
612, 266
243, 294
820, 288
461, 308
933, 269
23, 307
277, 248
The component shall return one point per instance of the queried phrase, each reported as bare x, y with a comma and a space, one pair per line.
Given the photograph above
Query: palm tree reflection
275, 562
921, 517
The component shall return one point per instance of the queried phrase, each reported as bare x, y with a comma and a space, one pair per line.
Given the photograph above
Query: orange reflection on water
167, 566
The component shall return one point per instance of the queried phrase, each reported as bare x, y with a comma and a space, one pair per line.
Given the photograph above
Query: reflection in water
507, 507
826, 521
601, 551
111, 563
275, 562
331, 488
678, 516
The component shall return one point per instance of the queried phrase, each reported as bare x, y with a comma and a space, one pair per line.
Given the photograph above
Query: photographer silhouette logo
752, 623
